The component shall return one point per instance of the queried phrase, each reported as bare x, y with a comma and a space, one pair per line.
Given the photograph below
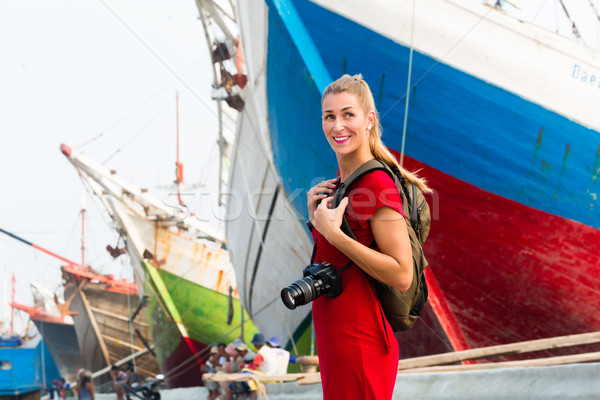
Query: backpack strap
368, 167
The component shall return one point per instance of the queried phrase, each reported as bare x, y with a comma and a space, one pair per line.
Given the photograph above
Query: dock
572, 381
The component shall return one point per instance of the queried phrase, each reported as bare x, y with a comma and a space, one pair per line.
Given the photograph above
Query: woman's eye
328, 116
348, 115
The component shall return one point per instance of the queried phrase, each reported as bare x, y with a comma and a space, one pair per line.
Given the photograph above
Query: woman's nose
338, 124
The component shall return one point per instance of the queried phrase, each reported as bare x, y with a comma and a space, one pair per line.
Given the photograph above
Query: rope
594, 9
573, 26
410, 57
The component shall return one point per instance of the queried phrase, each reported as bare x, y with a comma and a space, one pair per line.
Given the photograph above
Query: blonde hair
358, 87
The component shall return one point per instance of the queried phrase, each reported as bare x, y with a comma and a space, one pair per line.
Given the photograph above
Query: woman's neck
349, 163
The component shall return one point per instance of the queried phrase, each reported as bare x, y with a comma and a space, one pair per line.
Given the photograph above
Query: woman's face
345, 124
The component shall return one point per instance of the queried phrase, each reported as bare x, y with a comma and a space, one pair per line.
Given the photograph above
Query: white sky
69, 71
72, 70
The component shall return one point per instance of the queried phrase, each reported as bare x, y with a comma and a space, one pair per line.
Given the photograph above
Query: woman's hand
328, 220
316, 194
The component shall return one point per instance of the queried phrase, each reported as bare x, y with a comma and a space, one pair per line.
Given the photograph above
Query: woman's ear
371, 118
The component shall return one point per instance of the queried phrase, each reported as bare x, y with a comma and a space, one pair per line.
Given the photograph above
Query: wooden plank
501, 350
314, 378
88, 310
117, 316
121, 362
122, 343
242, 377
538, 362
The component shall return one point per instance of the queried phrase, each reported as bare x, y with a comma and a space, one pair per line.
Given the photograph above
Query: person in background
80, 374
223, 356
61, 387
119, 379
133, 378
244, 358
210, 368
266, 358
86, 387
241, 363
283, 357
68, 390
54, 392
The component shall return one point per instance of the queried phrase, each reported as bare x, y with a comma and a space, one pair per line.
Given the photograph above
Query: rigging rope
137, 133
410, 57
573, 26
139, 107
594, 9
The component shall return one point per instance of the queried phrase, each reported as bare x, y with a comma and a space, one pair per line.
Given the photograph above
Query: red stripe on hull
182, 367
507, 272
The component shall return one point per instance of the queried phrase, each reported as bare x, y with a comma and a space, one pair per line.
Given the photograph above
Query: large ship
57, 330
182, 267
497, 114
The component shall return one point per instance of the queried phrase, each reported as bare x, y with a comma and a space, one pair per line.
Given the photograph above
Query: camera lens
301, 292
288, 296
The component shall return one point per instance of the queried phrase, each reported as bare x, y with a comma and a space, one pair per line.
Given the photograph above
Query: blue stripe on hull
457, 123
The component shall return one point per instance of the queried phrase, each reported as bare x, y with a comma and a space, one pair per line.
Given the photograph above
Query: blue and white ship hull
502, 121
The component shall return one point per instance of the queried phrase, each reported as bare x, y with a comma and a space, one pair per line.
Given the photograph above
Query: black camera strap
314, 253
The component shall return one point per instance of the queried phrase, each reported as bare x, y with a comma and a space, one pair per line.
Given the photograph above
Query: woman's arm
90, 387
392, 264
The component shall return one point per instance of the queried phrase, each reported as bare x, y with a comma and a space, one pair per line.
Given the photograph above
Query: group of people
124, 381
61, 389
268, 359
82, 390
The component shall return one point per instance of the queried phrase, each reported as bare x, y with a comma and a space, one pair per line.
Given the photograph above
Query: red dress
358, 359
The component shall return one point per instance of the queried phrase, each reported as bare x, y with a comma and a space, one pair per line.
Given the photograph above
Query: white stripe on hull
524, 59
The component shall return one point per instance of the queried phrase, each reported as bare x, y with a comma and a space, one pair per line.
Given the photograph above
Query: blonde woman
358, 353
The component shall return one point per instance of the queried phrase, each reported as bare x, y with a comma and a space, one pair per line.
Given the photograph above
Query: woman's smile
341, 139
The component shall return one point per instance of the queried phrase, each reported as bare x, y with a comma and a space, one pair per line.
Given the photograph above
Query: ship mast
71, 263
178, 165
83, 236
12, 313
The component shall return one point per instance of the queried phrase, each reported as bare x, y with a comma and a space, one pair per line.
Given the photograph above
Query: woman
358, 353
86, 386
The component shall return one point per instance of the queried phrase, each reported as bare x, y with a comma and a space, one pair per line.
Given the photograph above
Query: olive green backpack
401, 309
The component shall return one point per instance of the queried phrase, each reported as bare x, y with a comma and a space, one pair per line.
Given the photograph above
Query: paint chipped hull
515, 237
181, 265
188, 283
61, 340
103, 329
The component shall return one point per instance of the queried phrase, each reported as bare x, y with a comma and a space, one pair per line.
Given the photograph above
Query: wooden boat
104, 321
105, 314
182, 267
57, 330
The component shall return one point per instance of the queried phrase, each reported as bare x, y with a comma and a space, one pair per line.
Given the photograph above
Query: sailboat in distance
96, 326
180, 264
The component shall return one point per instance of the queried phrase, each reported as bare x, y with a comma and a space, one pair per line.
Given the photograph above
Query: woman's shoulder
371, 192
377, 180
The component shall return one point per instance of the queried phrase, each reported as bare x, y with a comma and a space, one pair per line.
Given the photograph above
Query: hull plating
514, 243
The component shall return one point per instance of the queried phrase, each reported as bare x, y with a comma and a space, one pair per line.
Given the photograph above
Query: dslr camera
319, 278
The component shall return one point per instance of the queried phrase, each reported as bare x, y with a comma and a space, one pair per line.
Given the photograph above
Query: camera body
319, 279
